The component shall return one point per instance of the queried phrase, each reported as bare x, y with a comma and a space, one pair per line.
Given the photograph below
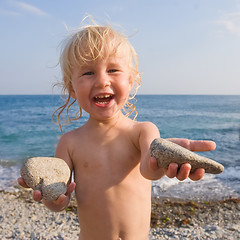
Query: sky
184, 46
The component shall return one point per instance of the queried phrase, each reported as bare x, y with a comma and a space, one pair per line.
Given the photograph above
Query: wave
4, 163
224, 185
230, 174
8, 176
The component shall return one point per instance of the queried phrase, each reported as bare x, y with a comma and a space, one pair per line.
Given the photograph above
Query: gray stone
47, 174
167, 152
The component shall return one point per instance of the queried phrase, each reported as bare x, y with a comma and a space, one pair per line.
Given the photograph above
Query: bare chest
115, 157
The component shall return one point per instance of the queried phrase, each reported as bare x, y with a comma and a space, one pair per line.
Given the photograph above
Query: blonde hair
91, 43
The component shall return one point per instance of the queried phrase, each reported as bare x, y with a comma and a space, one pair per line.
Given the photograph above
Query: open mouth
103, 99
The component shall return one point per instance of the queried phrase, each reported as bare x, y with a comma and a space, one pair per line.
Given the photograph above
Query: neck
106, 123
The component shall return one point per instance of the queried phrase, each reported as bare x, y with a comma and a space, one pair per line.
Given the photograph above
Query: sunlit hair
91, 43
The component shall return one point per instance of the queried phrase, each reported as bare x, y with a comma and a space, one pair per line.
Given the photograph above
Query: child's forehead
114, 56
112, 60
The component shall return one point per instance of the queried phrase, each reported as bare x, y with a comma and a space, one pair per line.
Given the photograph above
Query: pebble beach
21, 218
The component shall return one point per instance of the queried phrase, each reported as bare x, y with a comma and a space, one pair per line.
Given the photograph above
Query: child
109, 154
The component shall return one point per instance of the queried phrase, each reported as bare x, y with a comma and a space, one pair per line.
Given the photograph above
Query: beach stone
46, 174
167, 152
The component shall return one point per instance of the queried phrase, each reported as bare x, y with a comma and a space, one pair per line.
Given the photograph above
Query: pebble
166, 152
47, 174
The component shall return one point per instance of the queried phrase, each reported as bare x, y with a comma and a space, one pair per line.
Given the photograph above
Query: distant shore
21, 218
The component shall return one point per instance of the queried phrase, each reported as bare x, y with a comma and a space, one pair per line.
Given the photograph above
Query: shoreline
22, 218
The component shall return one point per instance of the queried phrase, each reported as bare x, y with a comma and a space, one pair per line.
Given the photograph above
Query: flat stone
167, 152
47, 174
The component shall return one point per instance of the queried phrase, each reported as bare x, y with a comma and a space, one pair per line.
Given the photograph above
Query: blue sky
184, 46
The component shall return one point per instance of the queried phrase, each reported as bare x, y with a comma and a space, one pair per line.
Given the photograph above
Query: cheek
124, 89
80, 93
80, 86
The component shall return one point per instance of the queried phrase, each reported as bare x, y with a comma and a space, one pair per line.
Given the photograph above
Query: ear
131, 83
72, 92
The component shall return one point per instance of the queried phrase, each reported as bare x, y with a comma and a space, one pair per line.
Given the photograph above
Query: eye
88, 73
112, 70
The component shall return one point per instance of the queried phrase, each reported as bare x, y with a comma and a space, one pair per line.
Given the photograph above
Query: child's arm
148, 165
149, 168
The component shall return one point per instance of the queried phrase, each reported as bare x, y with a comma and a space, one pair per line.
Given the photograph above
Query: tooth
102, 102
103, 96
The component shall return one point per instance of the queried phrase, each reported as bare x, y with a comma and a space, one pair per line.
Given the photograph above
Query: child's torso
114, 200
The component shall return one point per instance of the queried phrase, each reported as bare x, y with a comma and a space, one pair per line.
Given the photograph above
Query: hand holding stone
46, 174
167, 152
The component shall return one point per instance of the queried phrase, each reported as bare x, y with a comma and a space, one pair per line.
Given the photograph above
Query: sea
26, 130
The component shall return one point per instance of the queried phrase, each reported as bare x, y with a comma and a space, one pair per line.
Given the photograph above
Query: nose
102, 80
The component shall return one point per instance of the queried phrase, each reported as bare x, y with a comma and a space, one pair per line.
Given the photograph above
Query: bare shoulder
65, 145
145, 133
146, 128
66, 137
71, 135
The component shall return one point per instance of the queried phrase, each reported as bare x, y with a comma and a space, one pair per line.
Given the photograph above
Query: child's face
102, 87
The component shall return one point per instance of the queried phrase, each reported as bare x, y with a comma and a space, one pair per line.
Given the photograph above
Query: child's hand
37, 196
192, 145
57, 205
60, 203
181, 174
22, 183
184, 171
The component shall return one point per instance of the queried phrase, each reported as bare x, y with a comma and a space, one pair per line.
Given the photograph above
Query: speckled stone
167, 152
49, 175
